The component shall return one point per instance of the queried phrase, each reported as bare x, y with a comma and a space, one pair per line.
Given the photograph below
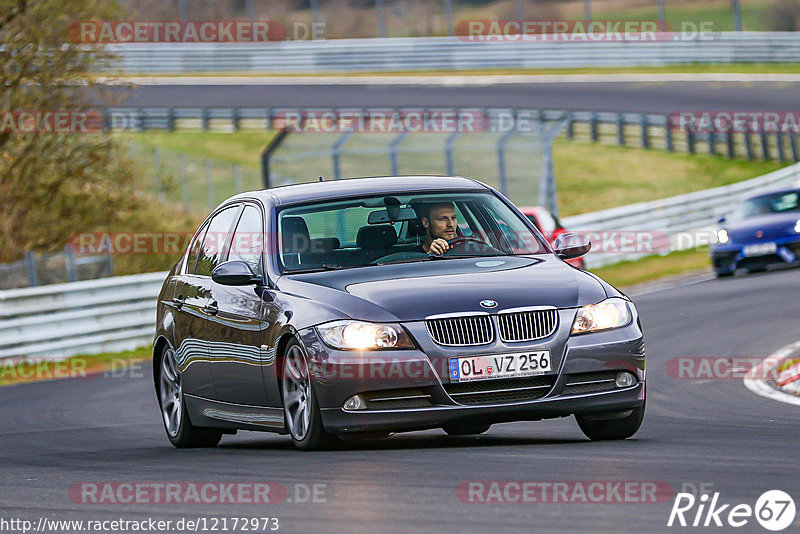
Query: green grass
80, 366
654, 268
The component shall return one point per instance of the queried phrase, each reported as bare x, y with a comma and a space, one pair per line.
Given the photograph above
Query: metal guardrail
452, 53
61, 320
677, 222
646, 130
118, 313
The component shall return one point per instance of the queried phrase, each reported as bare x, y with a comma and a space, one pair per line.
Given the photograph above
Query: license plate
500, 366
760, 249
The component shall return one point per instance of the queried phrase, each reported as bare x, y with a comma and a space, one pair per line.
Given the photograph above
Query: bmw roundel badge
489, 303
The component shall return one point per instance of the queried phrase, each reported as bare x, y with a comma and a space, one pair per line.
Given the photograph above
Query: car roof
775, 192
333, 189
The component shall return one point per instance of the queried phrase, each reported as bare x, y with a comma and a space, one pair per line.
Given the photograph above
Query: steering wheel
461, 242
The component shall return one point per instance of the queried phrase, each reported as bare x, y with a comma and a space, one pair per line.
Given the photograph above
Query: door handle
178, 301
211, 309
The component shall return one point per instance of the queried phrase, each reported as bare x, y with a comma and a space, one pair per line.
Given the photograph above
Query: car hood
413, 291
771, 226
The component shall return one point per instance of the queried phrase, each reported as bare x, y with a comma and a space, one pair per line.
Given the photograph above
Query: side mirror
721, 220
234, 273
569, 246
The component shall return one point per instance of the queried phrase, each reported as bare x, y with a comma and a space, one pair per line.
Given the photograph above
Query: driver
440, 222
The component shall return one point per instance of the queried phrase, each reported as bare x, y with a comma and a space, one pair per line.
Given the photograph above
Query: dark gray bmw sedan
362, 307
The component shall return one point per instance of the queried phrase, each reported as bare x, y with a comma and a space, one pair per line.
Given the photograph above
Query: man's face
442, 222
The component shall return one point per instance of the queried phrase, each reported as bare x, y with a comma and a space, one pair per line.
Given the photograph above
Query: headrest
415, 228
324, 244
380, 236
294, 233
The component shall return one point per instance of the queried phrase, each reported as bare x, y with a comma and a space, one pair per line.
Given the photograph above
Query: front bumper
728, 257
579, 384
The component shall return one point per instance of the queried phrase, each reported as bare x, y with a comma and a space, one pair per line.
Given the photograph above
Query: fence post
171, 119
182, 175
209, 183
30, 266
448, 152
690, 141
393, 146
69, 263
781, 148
336, 151
729, 143
237, 119
643, 122
748, 145
620, 129
206, 119
501, 160
266, 154
593, 126
793, 143
765, 155
712, 141
668, 136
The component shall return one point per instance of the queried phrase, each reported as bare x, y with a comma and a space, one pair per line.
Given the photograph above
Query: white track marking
759, 386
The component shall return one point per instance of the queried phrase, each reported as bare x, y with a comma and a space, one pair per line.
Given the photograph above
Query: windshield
400, 228
763, 205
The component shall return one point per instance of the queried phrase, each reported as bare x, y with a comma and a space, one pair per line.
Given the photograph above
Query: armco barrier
451, 53
118, 313
60, 320
693, 212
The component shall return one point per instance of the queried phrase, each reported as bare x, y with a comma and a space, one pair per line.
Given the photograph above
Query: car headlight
610, 313
722, 236
797, 226
359, 335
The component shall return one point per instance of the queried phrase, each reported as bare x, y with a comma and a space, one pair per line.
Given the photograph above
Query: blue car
764, 230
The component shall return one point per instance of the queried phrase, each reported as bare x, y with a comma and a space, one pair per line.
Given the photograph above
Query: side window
194, 250
212, 251
248, 239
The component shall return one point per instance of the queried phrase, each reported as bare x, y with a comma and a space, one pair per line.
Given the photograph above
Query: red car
550, 226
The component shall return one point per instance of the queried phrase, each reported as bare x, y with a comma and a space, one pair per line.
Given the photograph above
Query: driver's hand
439, 246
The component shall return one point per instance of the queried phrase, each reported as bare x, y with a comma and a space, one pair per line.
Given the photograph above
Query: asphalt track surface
56, 434
650, 97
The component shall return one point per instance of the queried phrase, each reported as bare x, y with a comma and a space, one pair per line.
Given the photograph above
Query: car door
190, 296
198, 298
238, 330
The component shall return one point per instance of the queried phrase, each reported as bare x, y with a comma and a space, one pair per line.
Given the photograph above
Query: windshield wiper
405, 260
323, 267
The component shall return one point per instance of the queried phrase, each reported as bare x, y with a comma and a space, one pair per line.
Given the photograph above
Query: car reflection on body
764, 230
313, 310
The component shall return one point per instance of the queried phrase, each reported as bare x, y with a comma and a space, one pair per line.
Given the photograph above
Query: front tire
300, 406
180, 430
598, 429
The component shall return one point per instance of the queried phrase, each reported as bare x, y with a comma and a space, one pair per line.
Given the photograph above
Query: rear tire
301, 410
723, 274
464, 430
180, 430
598, 429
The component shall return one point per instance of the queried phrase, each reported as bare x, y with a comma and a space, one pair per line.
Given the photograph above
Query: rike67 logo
774, 510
